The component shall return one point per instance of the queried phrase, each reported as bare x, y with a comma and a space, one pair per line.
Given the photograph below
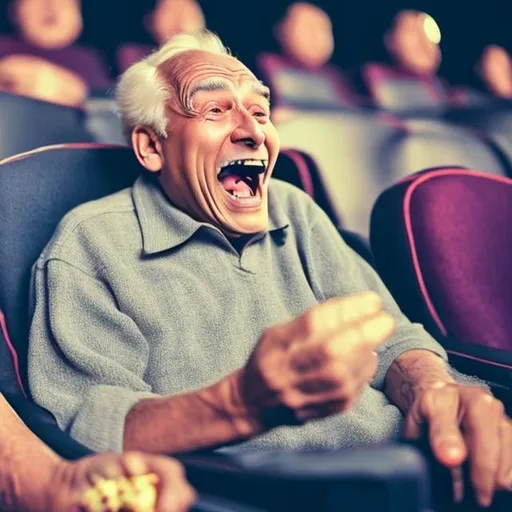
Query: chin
247, 224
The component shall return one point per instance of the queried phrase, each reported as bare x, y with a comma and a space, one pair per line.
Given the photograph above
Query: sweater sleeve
86, 358
336, 270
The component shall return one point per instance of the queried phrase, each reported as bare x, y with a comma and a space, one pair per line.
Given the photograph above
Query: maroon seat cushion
442, 243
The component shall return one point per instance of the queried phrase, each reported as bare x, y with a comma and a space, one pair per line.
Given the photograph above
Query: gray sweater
132, 299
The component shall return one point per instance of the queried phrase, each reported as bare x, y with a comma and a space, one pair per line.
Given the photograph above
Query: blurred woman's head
495, 71
48, 24
305, 35
412, 42
171, 17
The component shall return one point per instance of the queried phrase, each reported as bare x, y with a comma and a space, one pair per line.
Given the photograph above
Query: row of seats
435, 236
36, 189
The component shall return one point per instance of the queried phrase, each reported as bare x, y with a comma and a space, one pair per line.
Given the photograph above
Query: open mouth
241, 179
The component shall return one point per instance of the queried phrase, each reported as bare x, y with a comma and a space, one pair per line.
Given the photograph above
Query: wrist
36, 491
245, 417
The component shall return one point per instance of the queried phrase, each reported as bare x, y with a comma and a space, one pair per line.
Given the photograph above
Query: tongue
234, 184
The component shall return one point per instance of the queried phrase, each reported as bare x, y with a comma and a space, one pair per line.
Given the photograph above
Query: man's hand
71, 480
317, 364
466, 422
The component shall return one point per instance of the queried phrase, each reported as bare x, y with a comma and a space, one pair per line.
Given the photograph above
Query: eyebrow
221, 85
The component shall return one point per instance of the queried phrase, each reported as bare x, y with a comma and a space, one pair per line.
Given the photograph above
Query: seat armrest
45, 427
385, 478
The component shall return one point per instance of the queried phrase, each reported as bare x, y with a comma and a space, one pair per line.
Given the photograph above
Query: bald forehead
191, 66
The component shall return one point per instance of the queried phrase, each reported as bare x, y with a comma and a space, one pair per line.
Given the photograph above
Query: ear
148, 148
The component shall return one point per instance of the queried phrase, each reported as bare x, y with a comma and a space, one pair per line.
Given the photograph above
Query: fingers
440, 409
332, 314
175, 494
482, 425
110, 468
366, 334
504, 478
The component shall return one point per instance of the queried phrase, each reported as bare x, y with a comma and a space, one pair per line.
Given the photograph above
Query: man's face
306, 35
48, 23
221, 146
411, 47
172, 17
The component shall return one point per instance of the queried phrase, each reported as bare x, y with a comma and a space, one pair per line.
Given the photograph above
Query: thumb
437, 410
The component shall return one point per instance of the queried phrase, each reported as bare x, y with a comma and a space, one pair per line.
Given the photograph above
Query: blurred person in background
412, 46
494, 70
42, 60
35, 479
407, 75
166, 19
305, 35
300, 73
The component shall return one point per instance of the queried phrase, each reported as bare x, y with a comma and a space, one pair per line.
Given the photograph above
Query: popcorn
135, 494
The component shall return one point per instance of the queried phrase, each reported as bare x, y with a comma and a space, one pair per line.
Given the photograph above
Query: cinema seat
398, 91
297, 87
27, 124
36, 190
441, 242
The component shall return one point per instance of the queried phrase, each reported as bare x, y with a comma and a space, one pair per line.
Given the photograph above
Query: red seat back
442, 243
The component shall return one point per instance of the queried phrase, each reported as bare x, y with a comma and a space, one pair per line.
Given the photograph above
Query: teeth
251, 163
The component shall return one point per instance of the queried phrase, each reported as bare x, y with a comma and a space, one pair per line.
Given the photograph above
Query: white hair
142, 93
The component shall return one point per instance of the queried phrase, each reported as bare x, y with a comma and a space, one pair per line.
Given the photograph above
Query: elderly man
34, 479
207, 306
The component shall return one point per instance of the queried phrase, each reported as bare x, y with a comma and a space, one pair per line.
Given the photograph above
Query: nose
248, 132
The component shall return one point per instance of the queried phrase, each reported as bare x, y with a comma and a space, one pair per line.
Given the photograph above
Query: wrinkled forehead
188, 69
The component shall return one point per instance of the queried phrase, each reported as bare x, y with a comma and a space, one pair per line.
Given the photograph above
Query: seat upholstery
26, 124
295, 86
441, 241
396, 90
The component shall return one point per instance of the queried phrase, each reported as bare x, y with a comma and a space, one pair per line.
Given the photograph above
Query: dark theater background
466, 26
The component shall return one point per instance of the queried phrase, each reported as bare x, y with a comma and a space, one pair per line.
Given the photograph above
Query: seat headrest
441, 241
297, 87
26, 124
397, 90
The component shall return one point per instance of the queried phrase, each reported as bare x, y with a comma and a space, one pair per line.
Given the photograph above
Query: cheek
272, 139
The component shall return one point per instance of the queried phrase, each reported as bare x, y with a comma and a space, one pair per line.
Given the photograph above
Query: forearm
26, 465
208, 418
412, 372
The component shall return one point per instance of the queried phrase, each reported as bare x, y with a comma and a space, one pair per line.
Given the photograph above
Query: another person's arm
35, 479
36, 78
